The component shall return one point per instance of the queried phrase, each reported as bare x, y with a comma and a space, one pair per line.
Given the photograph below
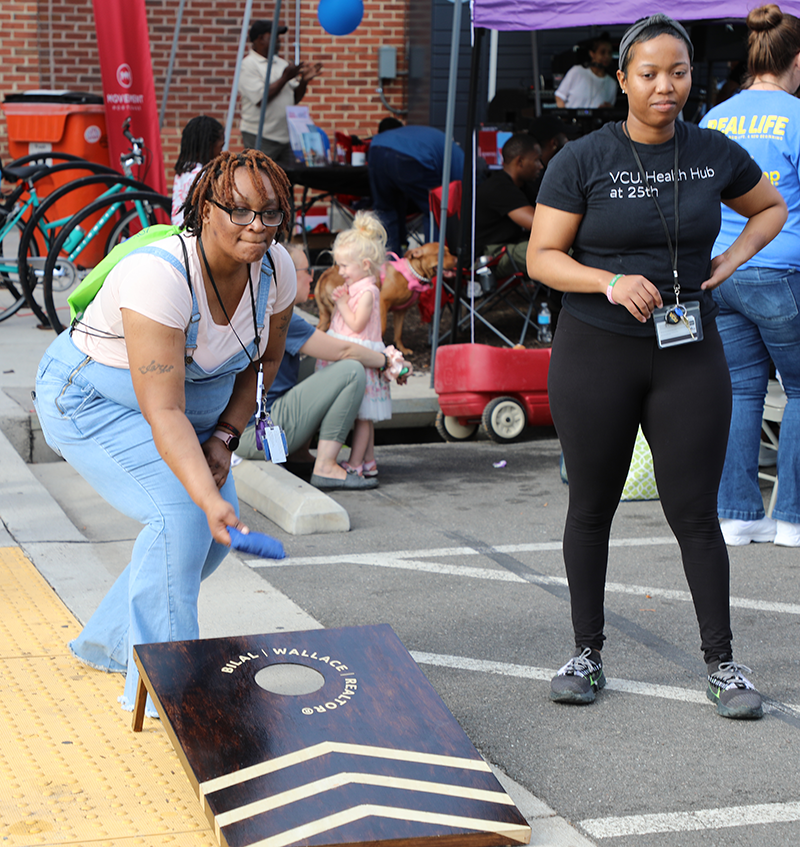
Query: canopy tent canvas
557, 14
531, 15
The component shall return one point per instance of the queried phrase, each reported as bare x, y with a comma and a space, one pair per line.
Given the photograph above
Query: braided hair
216, 182
197, 141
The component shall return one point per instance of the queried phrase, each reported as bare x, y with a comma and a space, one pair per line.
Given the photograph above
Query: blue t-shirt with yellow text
767, 125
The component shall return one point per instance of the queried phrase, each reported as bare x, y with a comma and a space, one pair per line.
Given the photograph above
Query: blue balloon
340, 17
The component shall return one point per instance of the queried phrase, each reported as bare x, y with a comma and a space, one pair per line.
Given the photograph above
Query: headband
634, 31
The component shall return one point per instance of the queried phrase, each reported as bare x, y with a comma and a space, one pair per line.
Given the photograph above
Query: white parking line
616, 827
419, 560
627, 686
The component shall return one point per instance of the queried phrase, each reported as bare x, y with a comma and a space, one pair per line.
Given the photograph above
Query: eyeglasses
244, 217
305, 270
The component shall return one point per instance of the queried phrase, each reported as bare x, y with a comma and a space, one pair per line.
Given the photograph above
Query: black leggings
602, 386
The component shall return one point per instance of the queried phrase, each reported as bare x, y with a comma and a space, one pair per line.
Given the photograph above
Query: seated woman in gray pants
326, 402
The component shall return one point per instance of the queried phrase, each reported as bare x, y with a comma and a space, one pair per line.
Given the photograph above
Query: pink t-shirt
180, 188
372, 331
152, 287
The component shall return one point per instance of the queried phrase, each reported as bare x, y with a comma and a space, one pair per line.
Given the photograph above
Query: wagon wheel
451, 430
504, 419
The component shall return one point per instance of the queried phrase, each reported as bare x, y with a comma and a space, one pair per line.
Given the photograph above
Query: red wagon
501, 389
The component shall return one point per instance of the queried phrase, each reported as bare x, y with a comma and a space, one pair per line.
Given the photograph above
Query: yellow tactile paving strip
71, 769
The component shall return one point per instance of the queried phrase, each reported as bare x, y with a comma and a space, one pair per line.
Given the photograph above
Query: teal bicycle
20, 205
126, 207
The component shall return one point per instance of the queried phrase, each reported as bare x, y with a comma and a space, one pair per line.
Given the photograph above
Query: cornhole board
325, 737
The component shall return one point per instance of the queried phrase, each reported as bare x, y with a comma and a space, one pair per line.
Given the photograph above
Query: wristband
229, 428
614, 281
385, 364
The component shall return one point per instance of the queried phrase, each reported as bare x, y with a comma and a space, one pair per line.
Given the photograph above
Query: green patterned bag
641, 481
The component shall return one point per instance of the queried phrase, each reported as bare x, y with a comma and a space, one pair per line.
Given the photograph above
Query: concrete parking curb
294, 505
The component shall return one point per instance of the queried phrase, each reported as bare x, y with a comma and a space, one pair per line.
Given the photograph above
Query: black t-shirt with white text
621, 232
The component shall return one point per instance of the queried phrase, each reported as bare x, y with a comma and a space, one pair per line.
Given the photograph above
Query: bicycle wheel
129, 224
72, 232
43, 232
12, 297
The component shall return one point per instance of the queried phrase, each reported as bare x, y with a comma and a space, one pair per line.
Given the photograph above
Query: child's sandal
352, 468
369, 469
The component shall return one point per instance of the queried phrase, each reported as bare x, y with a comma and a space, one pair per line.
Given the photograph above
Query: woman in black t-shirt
637, 205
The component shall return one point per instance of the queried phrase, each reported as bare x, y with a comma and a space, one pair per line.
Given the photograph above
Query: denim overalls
90, 416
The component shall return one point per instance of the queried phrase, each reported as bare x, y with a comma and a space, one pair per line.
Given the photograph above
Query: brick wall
52, 44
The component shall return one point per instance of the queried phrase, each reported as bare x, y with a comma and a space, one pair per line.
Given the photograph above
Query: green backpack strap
83, 295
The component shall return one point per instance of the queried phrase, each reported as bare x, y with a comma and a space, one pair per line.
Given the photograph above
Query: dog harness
416, 285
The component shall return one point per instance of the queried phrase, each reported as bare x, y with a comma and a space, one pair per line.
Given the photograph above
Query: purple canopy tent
512, 15
556, 14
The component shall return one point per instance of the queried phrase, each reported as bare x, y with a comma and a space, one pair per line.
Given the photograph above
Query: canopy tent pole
172, 52
248, 10
537, 90
467, 222
273, 42
449, 123
494, 38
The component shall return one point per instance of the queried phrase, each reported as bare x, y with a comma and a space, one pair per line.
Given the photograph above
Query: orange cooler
62, 122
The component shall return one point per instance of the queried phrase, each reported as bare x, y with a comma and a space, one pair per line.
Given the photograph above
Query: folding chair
518, 282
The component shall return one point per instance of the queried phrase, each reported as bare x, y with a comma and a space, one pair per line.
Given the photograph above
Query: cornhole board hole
332, 736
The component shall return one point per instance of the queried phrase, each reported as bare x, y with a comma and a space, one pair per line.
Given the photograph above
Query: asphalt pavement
462, 558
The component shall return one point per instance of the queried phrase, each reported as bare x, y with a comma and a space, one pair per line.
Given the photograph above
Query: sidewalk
71, 770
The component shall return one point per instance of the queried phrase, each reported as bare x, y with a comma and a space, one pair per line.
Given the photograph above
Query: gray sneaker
733, 692
579, 679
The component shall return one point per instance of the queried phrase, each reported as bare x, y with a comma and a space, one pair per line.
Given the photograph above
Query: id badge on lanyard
681, 323
269, 436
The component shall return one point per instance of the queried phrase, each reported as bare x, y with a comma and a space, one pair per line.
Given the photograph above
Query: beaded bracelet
610, 288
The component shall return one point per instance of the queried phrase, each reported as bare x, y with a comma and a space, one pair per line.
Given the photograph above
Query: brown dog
395, 294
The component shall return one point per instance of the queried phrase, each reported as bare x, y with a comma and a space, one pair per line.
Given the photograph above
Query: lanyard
673, 248
219, 300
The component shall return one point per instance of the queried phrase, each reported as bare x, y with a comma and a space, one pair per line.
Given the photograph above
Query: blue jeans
90, 416
760, 320
395, 181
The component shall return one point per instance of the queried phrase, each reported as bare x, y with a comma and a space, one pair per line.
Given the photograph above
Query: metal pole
172, 53
248, 10
297, 32
493, 41
449, 123
466, 228
537, 89
273, 41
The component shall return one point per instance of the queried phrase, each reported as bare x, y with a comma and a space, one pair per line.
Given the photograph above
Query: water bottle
73, 239
545, 334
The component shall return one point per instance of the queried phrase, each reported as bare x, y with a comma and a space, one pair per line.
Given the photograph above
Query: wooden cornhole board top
373, 757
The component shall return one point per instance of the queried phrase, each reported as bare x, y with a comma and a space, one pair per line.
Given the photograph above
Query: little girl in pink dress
359, 252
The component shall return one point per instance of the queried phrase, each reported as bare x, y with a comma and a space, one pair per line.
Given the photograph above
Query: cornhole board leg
321, 738
138, 706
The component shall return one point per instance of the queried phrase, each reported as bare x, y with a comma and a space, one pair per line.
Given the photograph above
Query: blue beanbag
257, 543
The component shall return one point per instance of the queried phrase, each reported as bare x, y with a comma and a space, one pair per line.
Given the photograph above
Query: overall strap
267, 275
183, 267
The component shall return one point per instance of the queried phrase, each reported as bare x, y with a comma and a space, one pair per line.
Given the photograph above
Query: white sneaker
736, 533
788, 534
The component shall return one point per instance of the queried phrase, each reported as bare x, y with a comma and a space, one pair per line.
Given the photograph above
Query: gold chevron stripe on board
325, 747
338, 780
515, 833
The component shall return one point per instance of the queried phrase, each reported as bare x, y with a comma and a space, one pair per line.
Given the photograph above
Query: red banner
124, 45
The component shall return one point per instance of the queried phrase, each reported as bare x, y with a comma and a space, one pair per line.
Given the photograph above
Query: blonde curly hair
364, 241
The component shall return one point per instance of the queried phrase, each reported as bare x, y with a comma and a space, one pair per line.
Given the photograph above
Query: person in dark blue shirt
404, 165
